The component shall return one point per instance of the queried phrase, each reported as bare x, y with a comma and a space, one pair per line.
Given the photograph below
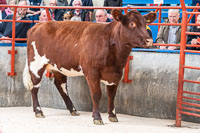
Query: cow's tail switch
27, 77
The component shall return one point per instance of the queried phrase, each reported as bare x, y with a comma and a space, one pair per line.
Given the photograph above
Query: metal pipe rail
182, 66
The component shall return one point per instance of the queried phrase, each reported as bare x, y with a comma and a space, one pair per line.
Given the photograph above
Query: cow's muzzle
149, 42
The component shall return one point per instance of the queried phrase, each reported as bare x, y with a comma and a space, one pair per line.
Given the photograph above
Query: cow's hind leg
61, 83
36, 80
111, 90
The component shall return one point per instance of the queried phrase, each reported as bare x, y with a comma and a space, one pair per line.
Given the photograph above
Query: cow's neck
122, 49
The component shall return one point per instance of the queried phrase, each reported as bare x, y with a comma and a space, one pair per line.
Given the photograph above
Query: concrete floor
22, 120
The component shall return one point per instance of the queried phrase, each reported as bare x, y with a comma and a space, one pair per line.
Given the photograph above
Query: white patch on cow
107, 83
113, 111
74, 109
37, 86
39, 61
75, 45
63, 85
27, 77
69, 73
38, 108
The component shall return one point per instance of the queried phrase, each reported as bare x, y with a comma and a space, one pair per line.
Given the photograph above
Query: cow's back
70, 42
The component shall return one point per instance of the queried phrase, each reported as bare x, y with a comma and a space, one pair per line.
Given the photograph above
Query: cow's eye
132, 24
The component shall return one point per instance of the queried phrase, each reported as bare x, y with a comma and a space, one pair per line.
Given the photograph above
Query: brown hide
101, 50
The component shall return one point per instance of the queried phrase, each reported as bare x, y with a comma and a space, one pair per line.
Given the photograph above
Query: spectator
85, 3
34, 13
56, 13
194, 39
79, 14
112, 3
170, 34
149, 31
43, 16
9, 10
101, 16
2, 9
20, 28
62, 3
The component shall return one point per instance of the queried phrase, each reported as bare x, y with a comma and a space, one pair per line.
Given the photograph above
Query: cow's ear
150, 17
117, 14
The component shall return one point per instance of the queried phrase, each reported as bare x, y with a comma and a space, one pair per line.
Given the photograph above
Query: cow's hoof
98, 122
39, 115
75, 113
113, 119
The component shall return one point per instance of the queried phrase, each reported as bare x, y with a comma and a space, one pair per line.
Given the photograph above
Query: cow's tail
27, 77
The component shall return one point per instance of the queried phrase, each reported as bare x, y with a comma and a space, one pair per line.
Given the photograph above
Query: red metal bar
191, 51
159, 6
126, 71
181, 64
192, 93
159, 18
191, 98
192, 114
192, 33
13, 52
21, 21
190, 45
175, 24
191, 67
191, 81
192, 109
194, 10
160, 44
183, 5
192, 104
17, 39
48, 14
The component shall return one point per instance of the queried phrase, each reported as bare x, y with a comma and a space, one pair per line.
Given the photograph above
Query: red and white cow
97, 51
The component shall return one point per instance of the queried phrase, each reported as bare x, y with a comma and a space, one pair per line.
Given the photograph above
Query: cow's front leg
95, 91
111, 91
61, 84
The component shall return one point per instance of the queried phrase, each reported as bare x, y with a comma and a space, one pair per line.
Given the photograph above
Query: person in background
112, 3
2, 9
62, 3
56, 13
101, 16
20, 28
85, 3
79, 14
149, 31
170, 34
34, 13
9, 10
194, 39
43, 16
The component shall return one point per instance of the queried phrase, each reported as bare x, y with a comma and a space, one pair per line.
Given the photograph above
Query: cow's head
133, 27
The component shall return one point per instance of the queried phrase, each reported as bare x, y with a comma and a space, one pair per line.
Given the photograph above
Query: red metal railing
183, 45
181, 105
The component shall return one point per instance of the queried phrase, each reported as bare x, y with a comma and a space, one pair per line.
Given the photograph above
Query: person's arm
160, 35
159, 38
